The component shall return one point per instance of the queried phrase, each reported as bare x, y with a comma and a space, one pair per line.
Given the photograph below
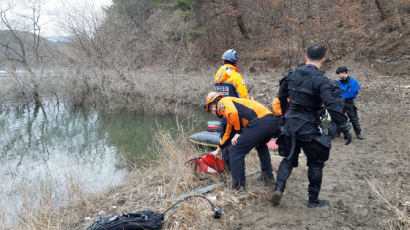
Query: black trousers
225, 151
351, 111
316, 154
256, 134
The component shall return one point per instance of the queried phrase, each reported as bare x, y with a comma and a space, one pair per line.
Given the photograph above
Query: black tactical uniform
307, 88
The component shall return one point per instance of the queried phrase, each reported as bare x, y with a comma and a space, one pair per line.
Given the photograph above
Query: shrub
194, 34
185, 5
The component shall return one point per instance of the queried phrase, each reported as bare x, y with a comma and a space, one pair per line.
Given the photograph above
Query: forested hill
268, 34
11, 50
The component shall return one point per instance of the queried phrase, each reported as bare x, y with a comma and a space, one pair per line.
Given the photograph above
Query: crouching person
249, 125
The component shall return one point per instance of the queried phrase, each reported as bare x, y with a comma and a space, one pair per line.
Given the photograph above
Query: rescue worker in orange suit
249, 125
307, 88
228, 82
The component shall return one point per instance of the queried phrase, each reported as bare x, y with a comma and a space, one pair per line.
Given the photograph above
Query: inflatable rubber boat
211, 137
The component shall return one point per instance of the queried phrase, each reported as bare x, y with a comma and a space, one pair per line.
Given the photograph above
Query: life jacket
229, 82
207, 163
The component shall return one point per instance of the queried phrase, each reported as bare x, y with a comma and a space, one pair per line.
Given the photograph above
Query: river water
48, 149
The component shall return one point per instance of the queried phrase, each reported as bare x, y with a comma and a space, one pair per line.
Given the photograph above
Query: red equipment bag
207, 163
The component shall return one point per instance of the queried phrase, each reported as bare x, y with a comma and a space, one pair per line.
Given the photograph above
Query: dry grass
155, 188
390, 196
37, 203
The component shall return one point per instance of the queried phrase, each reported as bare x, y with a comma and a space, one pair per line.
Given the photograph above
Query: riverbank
366, 182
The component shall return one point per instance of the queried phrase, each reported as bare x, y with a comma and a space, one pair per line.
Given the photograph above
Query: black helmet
341, 69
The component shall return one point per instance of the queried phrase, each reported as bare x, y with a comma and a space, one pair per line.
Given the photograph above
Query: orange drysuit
229, 82
238, 112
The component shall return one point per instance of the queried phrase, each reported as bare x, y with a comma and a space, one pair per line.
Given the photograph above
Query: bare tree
381, 10
22, 53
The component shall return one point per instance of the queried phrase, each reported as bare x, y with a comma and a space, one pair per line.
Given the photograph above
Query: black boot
357, 129
317, 203
277, 196
267, 179
285, 168
360, 137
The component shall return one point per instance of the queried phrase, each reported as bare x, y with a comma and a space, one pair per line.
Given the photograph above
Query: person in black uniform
307, 89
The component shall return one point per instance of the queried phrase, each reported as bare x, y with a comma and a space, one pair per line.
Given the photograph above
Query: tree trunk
397, 13
380, 8
239, 20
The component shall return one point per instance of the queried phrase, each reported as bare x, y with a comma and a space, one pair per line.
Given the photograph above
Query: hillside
267, 34
11, 50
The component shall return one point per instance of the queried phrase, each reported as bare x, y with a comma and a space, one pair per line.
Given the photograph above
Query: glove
322, 113
345, 129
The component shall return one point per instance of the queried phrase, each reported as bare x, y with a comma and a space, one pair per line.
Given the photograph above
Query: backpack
207, 163
141, 220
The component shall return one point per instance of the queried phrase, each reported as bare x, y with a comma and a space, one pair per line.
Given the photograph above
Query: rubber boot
360, 137
277, 196
266, 179
317, 203
284, 171
357, 129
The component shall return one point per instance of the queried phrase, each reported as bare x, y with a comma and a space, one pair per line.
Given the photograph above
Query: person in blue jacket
350, 87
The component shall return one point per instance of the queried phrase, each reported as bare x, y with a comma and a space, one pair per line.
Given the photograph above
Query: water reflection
56, 145
60, 147
42, 140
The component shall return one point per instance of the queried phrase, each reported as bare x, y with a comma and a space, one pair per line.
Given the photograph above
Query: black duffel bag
141, 220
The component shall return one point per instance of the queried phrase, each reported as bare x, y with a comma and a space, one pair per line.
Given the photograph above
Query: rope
190, 196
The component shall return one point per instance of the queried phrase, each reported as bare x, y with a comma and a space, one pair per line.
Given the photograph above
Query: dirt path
366, 181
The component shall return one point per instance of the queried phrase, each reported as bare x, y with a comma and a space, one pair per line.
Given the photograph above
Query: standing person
350, 88
228, 82
249, 124
307, 89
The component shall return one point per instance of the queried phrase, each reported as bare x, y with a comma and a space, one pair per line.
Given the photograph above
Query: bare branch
20, 42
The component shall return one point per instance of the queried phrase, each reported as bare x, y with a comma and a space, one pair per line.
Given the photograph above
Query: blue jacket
350, 88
